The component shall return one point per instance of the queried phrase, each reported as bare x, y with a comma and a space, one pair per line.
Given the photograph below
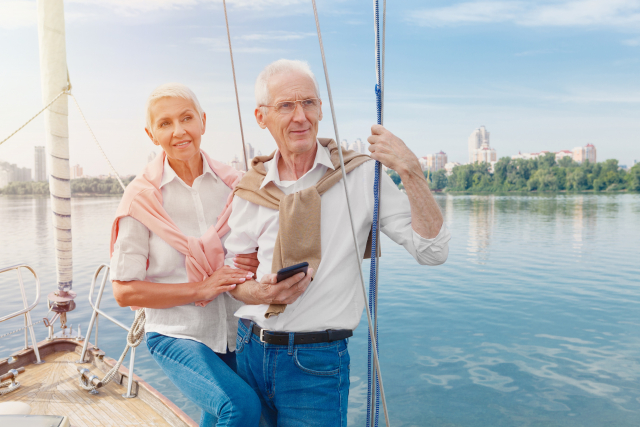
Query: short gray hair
263, 97
171, 90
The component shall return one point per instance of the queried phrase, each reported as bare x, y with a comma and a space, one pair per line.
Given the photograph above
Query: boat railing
95, 320
26, 310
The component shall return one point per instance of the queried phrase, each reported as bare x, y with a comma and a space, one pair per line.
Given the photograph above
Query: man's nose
298, 113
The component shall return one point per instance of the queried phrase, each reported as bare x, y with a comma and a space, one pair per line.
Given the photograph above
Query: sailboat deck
52, 388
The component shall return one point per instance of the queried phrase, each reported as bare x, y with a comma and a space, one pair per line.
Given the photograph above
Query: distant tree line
78, 186
543, 174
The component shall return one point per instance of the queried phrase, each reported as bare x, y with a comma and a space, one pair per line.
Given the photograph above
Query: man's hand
392, 152
268, 291
248, 262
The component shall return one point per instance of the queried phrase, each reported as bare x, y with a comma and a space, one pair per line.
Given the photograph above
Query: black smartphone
285, 273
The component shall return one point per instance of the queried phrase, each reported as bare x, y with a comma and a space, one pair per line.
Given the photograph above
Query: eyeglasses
288, 107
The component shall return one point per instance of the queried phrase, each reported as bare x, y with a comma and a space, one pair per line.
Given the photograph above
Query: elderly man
290, 209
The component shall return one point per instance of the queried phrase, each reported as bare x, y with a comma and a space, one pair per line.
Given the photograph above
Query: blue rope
373, 386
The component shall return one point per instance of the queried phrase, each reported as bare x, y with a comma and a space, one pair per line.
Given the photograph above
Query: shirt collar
322, 158
168, 174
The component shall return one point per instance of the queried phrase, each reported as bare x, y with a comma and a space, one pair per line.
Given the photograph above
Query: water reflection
481, 222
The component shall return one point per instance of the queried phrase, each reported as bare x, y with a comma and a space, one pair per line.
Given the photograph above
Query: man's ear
260, 116
320, 115
151, 136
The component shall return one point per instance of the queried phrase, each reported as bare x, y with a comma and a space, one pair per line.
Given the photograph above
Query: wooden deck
52, 389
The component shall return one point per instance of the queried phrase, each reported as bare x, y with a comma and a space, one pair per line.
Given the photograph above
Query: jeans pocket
321, 361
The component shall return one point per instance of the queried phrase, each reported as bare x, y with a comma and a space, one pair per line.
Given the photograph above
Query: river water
533, 321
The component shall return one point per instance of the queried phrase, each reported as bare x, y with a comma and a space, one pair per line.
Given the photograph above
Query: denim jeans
298, 385
208, 379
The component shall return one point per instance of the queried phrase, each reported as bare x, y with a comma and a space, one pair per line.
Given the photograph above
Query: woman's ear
204, 122
151, 136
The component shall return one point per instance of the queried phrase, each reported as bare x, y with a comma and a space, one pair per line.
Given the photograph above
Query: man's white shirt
333, 300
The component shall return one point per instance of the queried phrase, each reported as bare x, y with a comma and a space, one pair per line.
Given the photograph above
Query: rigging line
344, 182
235, 85
97, 143
373, 395
37, 114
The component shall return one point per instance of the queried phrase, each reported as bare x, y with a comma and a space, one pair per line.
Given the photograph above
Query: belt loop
291, 340
247, 337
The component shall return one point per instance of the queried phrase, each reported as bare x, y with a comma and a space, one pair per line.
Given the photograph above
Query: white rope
134, 338
97, 143
37, 114
235, 85
355, 239
8, 387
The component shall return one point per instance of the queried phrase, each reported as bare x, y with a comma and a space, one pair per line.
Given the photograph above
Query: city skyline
575, 79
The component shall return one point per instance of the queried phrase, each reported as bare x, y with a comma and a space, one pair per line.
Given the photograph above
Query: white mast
54, 77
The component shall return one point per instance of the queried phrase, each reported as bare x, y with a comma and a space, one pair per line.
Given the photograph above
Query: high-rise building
76, 172
40, 164
588, 152
477, 139
433, 162
358, 146
236, 164
12, 173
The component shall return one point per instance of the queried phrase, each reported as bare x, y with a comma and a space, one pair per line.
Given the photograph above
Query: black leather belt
282, 338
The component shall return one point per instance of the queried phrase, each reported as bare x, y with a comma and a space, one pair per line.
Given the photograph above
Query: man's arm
391, 151
243, 238
268, 291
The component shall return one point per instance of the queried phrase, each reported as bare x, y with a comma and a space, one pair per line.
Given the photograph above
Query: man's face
296, 132
176, 127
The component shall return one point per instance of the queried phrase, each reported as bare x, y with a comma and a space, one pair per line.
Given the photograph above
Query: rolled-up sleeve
131, 251
395, 222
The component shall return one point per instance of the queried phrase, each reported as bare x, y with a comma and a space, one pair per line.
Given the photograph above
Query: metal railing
94, 320
26, 311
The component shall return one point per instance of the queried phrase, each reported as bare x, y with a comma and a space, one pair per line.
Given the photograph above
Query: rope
355, 239
97, 143
235, 85
21, 329
9, 385
373, 390
134, 338
37, 114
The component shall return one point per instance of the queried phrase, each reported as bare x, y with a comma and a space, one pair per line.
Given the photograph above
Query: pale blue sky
540, 75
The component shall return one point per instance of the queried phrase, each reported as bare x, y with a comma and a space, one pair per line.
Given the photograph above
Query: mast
54, 78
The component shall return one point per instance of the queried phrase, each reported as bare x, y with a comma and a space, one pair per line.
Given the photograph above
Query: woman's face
176, 127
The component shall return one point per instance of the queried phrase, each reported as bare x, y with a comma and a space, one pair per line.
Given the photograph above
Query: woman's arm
165, 295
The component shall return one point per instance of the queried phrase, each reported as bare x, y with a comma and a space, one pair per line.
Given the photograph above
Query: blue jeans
298, 385
208, 379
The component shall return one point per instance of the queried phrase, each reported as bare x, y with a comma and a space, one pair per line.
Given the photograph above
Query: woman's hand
222, 280
247, 262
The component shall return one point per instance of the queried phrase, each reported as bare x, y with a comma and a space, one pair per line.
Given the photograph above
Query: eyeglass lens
287, 107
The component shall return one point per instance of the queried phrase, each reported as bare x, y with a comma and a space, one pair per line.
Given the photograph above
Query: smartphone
287, 272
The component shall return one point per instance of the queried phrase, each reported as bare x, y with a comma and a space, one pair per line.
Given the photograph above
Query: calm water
533, 321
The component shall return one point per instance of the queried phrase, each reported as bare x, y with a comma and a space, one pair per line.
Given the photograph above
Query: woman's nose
178, 129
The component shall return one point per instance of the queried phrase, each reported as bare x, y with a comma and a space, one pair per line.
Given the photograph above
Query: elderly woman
168, 257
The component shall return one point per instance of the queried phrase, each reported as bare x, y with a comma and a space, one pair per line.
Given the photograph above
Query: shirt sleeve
395, 222
242, 239
131, 251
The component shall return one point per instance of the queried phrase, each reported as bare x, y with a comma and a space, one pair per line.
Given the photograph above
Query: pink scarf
142, 200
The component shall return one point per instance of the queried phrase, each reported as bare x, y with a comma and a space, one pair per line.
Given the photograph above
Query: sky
540, 75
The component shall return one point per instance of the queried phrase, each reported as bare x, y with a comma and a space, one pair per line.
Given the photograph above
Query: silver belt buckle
261, 335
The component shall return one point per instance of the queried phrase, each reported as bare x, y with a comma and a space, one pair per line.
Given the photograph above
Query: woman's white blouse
193, 209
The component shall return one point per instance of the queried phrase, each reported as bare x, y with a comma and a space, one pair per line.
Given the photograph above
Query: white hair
281, 66
171, 90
